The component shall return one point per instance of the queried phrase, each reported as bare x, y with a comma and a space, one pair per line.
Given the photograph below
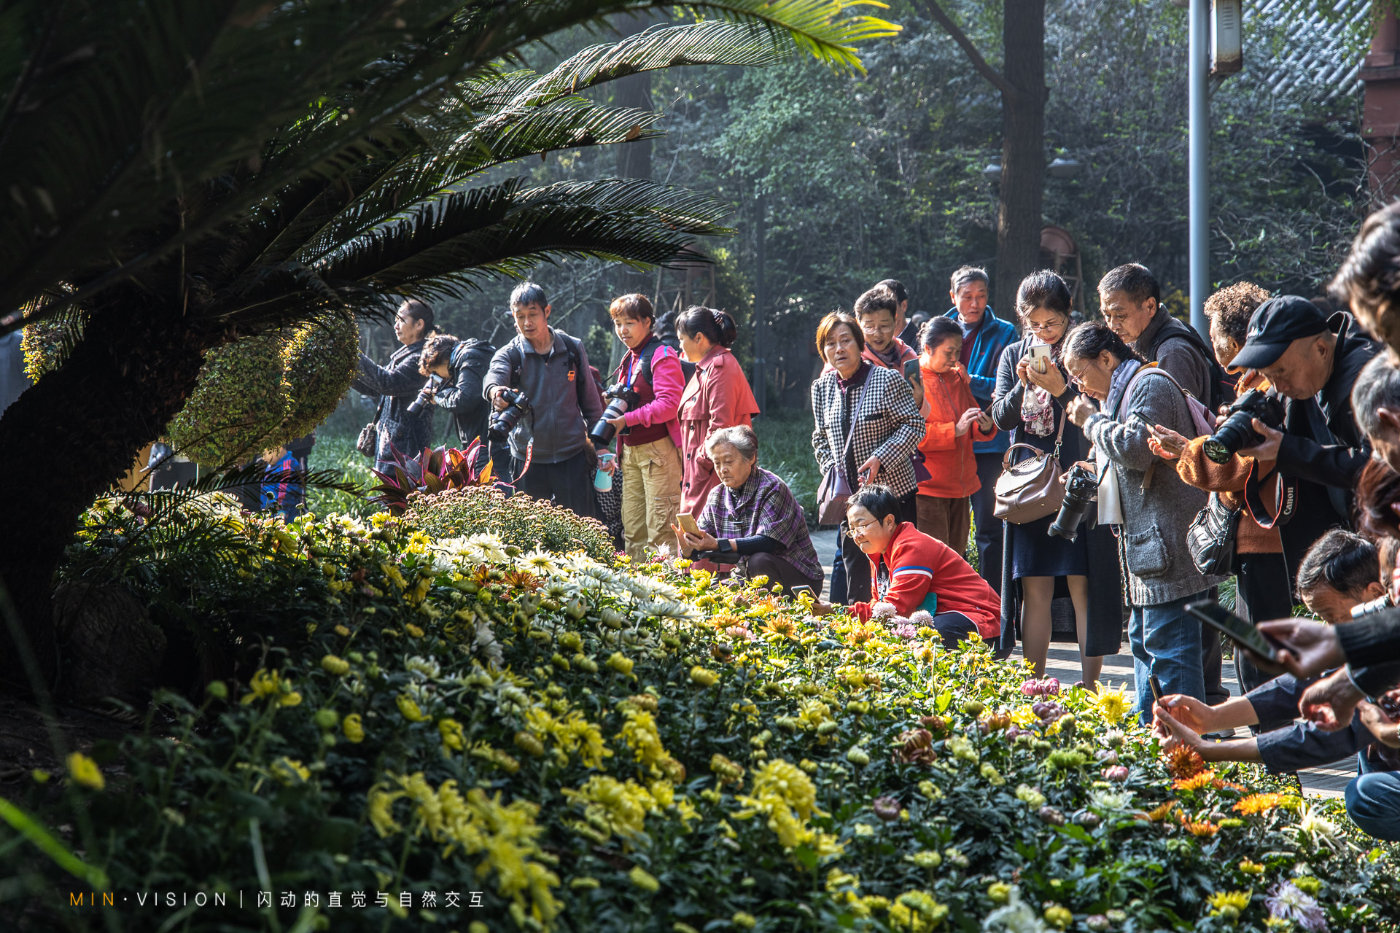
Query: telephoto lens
1080, 486
621, 400
424, 394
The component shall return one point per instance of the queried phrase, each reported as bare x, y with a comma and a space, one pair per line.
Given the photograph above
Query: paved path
1063, 663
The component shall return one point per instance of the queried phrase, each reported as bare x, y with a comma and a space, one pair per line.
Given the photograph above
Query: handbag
1031, 489
835, 490
368, 441
1211, 537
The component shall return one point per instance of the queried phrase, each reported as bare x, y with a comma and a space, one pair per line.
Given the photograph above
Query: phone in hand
1239, 631
1156, 686
687, 523
1040, 357
801, 588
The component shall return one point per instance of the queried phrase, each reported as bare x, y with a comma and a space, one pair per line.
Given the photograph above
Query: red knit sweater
919, 565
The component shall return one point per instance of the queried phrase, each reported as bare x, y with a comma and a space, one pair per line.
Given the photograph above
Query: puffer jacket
949, 459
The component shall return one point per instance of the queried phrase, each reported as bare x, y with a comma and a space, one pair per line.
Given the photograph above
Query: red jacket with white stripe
917, 567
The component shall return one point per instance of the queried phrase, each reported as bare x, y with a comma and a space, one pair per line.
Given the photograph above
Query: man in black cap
1311, 360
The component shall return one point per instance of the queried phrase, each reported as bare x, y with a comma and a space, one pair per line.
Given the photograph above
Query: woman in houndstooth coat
867, 425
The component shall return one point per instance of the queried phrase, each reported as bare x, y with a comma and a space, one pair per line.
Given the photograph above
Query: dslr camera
504, 421
425, 394
1237, 432
621, 400
1080, 486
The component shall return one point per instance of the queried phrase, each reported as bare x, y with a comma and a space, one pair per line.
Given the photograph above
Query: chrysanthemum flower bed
572, 746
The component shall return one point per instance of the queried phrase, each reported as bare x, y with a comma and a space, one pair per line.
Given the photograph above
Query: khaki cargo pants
651, 493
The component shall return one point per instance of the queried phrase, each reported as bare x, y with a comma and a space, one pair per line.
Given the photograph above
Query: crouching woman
913, 571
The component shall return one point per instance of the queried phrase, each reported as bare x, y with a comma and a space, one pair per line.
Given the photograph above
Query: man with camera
544, 400
455, 369
1312, 361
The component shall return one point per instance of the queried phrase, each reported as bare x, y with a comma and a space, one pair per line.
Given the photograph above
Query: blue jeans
1166, 642
1373, 801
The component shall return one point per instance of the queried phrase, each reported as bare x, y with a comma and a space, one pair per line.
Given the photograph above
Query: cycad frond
468, 236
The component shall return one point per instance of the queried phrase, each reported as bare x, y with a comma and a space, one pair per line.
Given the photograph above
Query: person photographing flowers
1152, 507
914, 572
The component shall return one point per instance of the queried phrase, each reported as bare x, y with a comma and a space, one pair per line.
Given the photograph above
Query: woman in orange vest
953, 421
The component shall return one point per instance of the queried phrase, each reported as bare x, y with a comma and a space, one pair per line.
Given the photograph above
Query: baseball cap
1274, 325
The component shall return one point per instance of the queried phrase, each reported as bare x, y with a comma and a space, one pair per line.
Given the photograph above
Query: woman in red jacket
952, 422
717, 396
912, 571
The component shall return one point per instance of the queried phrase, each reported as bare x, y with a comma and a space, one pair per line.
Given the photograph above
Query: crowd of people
1126, 464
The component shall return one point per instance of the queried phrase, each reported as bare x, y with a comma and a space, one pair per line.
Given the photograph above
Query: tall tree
1021, 86
185, 174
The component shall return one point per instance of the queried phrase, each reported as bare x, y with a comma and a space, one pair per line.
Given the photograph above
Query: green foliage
237, 405
600, 748
519, 520
318, 362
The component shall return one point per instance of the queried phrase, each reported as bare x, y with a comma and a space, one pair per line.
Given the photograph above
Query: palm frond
466, 237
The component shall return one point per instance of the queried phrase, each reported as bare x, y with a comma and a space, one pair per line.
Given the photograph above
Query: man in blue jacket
984, 337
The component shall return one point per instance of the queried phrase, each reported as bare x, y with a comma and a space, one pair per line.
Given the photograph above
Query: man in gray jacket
551, 455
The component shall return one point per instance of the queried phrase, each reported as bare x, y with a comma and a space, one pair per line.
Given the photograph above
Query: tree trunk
124, 381
1023, 148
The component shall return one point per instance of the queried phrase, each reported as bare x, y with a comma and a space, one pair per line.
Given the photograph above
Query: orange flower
780, 625
1194, 782
1203, 828
1182, 762
1258, 803
1160, 813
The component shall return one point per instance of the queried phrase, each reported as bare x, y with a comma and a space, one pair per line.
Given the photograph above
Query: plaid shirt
886, 423
762, 506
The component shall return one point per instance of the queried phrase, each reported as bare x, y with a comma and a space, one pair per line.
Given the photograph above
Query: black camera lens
1237, 431
1080, 486
424, 394
621, 400
505, 420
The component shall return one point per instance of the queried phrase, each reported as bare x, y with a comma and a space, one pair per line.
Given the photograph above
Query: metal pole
1198, 160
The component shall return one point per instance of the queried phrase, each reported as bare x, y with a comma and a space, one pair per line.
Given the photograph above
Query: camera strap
1287, 499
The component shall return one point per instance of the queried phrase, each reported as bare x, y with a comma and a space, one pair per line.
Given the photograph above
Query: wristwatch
725, 545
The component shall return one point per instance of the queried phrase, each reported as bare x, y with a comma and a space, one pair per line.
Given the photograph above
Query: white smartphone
687, 523
1040, 357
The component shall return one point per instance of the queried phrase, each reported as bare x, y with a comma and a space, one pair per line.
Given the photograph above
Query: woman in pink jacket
717, 396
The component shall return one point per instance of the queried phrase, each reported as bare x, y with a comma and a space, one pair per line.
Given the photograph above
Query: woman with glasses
1030, 398
913, 573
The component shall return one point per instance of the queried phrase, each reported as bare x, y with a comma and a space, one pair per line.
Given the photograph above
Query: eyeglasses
861, 526
1042, 327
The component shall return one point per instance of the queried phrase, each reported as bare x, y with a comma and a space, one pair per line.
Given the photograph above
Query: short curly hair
1233, 306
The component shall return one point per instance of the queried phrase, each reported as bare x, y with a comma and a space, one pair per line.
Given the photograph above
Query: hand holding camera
621, 399
1251, 429
425, 394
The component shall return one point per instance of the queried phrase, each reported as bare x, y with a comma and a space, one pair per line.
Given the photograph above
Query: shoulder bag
835, 490
368, 441
1211, 537
1031, 489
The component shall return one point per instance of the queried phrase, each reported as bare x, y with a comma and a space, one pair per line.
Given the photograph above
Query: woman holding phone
867, 426
751, 514
1029, 401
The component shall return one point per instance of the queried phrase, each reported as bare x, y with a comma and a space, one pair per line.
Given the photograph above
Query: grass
335, 450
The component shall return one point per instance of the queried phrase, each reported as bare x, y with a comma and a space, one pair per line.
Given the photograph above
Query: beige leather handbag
1031, 489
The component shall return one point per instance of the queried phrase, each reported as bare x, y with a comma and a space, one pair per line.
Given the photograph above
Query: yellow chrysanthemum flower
85, 771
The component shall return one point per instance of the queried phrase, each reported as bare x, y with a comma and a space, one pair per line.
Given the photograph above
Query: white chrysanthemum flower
1316, 828
1287, 902
883, 610
426, 668
538, 561
486, 547
921, 617
1110, 800
1016, 917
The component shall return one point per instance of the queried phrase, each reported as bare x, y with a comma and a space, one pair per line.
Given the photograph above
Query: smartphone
687, 523
1138, 417
1040, 357
1156, 686
1237, 629
801, 588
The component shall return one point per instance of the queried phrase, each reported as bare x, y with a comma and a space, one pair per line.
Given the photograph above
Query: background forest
836, 182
